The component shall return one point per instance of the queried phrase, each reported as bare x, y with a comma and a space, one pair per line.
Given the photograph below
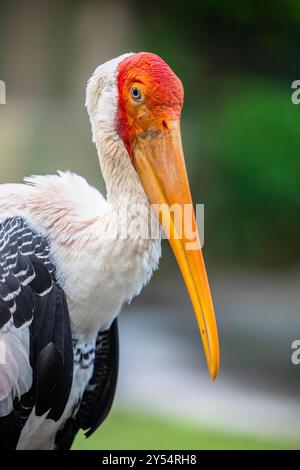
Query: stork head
137, 99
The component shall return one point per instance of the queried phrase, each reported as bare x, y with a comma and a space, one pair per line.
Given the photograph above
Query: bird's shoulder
51, 202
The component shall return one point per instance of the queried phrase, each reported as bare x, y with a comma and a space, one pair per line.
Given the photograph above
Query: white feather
15, 370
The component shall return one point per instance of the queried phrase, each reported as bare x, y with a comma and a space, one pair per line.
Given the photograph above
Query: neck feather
123, 185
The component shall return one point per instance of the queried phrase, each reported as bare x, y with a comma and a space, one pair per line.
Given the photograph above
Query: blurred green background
241, 135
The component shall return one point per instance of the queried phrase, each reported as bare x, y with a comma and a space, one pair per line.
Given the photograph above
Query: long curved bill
159, 161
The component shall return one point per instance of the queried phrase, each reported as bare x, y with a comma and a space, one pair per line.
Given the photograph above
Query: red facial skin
162, 93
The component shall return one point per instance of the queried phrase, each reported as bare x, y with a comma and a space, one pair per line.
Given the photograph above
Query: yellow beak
159, 161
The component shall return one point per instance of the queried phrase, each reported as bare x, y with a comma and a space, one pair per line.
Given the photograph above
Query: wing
99, 394
36, 355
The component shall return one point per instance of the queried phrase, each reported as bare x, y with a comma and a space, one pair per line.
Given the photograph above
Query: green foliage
251, 148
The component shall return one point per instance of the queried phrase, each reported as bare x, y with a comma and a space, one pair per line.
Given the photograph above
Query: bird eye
136, 94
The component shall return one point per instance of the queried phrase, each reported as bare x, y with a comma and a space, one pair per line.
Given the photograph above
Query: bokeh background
241, 135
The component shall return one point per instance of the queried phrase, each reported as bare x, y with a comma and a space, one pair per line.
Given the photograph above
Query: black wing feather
30, 295
99, 394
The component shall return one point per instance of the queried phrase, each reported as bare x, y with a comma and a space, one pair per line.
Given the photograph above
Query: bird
66, 267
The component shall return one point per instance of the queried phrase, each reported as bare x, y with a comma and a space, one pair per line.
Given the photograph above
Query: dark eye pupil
136, 93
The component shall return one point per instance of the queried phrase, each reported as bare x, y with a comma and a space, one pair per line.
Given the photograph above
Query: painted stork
62, 283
